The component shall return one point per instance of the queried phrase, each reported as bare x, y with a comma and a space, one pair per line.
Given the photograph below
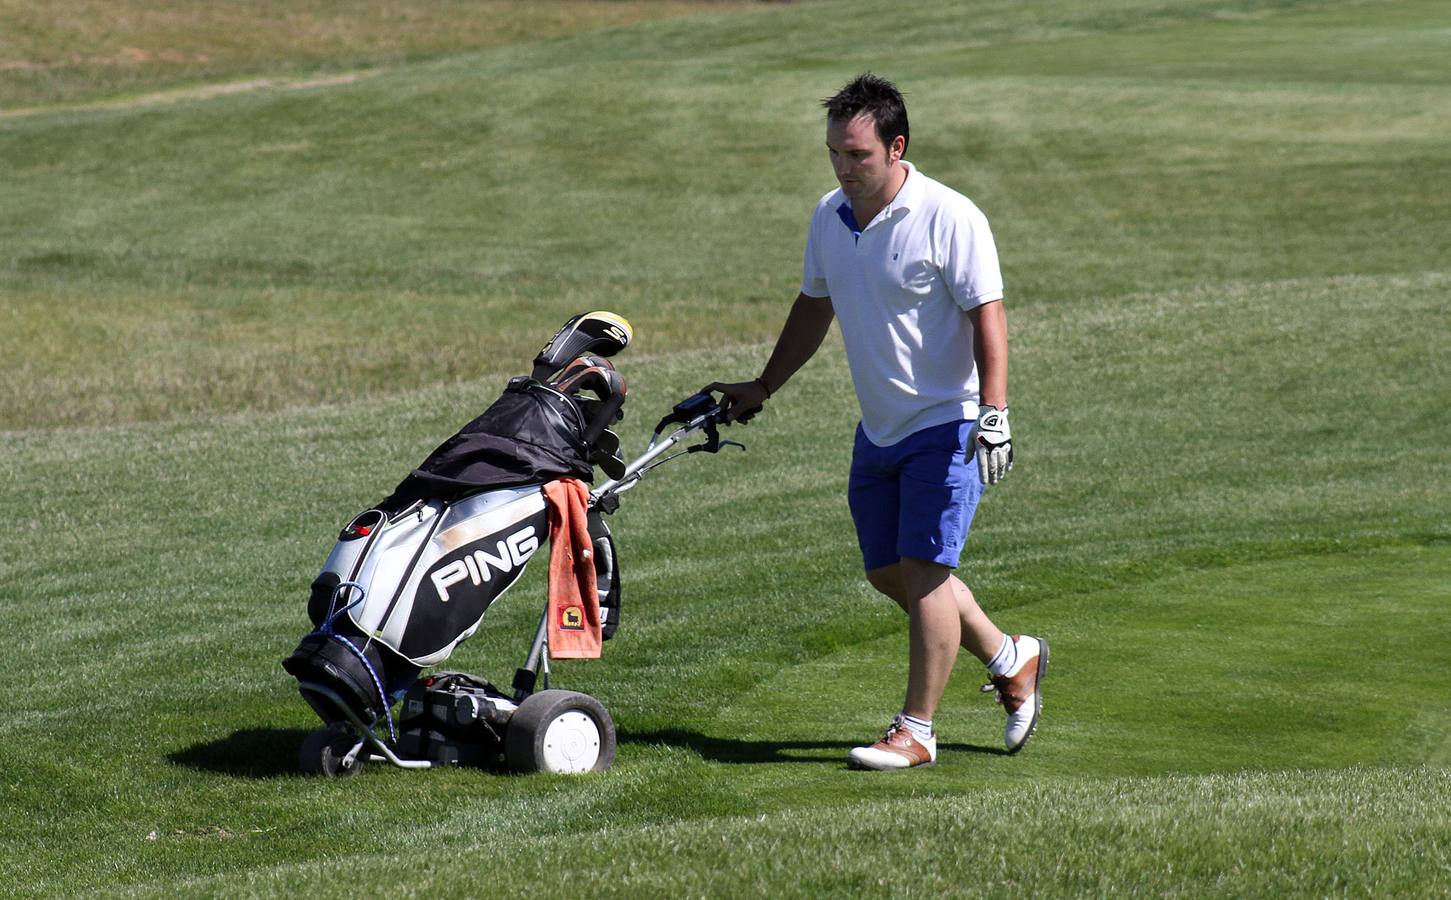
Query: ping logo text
478, 567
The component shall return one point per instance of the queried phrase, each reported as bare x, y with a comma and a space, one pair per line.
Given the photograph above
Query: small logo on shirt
895, 255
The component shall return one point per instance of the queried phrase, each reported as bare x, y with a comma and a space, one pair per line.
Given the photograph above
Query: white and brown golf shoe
1018, 690
898, 749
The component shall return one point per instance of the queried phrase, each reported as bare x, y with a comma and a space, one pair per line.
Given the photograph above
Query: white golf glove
994, 442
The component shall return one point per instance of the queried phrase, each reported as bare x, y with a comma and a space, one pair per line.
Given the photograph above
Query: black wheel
323, 751
560, 731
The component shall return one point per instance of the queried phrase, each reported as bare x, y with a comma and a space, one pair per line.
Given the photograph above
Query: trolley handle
694, 413
693, 410
697, 411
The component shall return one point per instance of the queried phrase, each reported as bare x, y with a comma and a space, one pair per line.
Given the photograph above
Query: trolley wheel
323, 751
560, 731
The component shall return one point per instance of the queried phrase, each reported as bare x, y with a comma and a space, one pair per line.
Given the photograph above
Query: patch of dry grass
75, 50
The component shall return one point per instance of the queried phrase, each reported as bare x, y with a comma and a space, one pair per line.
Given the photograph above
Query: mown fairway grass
73, 52
228, 324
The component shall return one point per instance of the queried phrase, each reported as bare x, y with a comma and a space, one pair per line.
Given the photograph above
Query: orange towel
574, 600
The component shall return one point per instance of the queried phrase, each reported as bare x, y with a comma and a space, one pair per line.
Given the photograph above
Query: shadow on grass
729, 750
249, 753
272, 752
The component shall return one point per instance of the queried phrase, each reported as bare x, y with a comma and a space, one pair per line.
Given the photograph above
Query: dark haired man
909, 268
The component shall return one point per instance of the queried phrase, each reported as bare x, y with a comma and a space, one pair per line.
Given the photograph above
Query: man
909, 268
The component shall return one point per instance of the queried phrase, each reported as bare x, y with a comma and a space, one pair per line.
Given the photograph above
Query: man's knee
909, 580
917, 578
887, 580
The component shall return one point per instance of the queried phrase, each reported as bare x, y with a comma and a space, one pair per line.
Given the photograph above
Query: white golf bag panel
428, 574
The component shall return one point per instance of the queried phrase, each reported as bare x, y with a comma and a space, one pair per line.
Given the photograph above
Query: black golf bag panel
531, 435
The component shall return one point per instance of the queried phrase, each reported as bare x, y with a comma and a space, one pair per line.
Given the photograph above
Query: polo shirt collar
908, 196
910, 192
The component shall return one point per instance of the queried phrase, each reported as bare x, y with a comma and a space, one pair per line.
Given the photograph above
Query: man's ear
898, 147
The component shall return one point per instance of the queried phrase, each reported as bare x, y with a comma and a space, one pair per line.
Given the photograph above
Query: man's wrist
761, 382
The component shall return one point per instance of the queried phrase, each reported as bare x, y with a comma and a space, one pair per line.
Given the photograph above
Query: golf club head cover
606, 454
599, 333
597, 375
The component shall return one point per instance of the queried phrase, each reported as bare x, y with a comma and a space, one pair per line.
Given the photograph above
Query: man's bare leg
983, 639
935, 631
979, 636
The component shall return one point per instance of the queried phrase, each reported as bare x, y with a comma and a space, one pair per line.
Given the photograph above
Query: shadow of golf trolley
411, 578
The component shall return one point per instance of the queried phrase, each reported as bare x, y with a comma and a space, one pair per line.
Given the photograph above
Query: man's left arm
991, 435
990, 349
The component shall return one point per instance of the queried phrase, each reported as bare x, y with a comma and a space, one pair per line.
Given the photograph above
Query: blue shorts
916, 497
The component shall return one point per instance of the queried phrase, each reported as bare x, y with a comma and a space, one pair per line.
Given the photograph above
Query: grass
77, 51
251, 247
229, 322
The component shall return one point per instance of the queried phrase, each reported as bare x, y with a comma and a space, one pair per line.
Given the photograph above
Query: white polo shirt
900, 288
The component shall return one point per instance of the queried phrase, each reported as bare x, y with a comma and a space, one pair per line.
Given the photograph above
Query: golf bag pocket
323, 597
350, 666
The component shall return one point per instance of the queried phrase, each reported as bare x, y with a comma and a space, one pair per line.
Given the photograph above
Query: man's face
863, 164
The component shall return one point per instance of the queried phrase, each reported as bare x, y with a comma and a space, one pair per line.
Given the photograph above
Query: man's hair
872, 96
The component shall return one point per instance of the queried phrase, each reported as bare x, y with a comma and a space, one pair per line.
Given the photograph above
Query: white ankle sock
1006, 658
920, 728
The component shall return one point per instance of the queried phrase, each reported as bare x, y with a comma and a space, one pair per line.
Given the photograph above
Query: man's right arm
800, 338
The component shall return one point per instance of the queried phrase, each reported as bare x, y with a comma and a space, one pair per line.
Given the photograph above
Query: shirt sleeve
969, 257
813, 273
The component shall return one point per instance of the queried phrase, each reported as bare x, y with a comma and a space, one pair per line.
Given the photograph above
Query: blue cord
333, 612
326, 628
392, 735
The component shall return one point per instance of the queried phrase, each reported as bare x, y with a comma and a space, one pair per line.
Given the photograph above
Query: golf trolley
412, 577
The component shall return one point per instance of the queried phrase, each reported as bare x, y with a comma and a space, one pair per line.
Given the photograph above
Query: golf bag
411, 577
